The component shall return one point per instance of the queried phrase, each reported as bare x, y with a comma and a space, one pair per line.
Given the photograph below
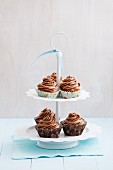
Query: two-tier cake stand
63, 142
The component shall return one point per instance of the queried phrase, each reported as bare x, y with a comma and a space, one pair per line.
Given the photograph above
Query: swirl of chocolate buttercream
43, 114
48, 85
74, 118
48, 122
69, 84
54, 76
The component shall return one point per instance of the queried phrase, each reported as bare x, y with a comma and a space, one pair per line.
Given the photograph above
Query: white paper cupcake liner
68, 95
47, 94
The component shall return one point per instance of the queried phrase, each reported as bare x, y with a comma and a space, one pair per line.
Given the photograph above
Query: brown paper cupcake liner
48, 133
73, 130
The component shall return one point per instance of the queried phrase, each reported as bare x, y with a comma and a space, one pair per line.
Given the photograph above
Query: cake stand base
57, 145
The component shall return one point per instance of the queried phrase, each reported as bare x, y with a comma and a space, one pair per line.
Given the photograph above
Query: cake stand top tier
32, 93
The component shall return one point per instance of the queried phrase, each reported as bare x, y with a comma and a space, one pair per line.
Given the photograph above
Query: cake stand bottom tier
57, 145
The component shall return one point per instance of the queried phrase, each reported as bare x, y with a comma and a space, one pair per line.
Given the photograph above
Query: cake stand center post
57, 111
59, 55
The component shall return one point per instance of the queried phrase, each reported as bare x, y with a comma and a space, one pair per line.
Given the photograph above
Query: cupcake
48, 127
73, 125
43, 114
48, 88
70, 88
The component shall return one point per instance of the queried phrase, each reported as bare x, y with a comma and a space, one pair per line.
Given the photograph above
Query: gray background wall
25, 30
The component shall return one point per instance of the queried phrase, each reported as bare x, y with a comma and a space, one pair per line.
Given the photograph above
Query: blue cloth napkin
26, 149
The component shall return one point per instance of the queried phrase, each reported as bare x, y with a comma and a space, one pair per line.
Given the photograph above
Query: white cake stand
63, 142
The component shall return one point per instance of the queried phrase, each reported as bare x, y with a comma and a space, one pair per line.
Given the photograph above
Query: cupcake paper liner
68, 95
47, 94
73, 130
48, 133
60, 94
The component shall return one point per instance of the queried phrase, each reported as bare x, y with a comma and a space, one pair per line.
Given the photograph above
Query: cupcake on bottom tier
70, 88
73, 125
48, 127
43, 114
48, 88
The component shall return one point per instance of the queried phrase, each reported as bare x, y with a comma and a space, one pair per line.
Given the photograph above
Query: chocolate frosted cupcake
48, 127
73, 125
43, 114
48, 88
70, 88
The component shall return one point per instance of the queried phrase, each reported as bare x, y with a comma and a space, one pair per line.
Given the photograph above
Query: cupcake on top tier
70, 88
48, 88
43, 114
48, 127
73, 125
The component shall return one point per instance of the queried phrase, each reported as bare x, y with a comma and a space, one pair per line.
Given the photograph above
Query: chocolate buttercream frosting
48, 122
74, 118
48, 85
70, 84
43, 114
54, 76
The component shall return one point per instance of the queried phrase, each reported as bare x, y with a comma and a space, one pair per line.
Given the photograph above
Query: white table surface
8, 126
